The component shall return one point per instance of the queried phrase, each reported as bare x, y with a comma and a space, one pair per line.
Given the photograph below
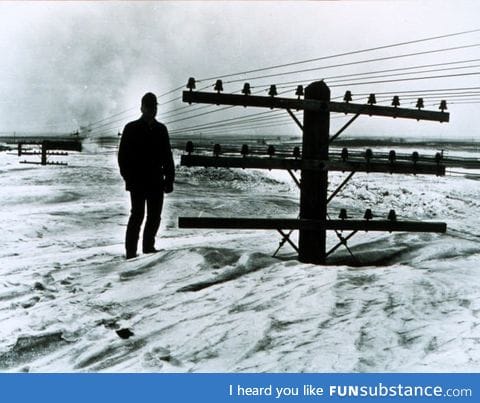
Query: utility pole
314, 162
314, 184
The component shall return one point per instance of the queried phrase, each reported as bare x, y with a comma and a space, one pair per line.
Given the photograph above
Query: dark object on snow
124, 333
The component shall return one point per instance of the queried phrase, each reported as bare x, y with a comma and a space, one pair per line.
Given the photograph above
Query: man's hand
168, 188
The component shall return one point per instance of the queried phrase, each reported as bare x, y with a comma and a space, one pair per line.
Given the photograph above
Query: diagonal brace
340, 187
343, 241
295, 119
294, 177
285, 238
344, 127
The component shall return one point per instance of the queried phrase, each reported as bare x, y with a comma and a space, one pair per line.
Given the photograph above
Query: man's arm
168, 165
124, 153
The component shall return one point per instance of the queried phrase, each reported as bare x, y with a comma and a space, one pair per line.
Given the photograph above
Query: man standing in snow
146, 165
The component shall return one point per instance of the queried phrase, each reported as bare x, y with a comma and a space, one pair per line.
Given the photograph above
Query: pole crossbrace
295, 179
344, 127
340, 187
285, 238
295, 119
343, 241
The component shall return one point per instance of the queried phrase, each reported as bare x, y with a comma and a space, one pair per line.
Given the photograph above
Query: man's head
149, 105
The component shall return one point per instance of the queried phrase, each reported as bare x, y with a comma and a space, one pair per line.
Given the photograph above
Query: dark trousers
154, 202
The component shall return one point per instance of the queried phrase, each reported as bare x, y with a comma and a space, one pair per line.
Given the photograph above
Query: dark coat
145, 157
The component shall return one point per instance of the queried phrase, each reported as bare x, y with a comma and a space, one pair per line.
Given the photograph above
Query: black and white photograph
240, 186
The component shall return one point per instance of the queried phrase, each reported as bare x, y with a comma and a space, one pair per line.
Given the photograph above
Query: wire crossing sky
84, 66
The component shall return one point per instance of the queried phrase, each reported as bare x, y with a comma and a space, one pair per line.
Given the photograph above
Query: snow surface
216, 301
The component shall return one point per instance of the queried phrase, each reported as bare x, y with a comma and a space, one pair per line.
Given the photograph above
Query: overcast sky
67, 64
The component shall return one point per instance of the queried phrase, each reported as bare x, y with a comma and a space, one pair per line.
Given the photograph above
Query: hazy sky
66, 64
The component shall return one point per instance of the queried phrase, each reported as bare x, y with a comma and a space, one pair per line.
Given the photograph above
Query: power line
93, 126
416, 91
191, 108
172, 100
224, 122
178, 98
249, 125
434, 101
355, 63
109, 117
297, 63
233, 119
365, 50
471, 101
350, 84
405, 74
405, 79
228, 130
114, 121
341, 54
171, 91
438, 95
252, 115
382, 94
205, 113
283, 122
202, 114
239, 121
296, 82
173, 112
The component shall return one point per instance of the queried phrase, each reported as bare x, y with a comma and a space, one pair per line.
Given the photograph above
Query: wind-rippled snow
216, 300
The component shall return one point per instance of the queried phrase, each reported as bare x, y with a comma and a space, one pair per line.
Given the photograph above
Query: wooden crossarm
312, 105
379, 110
399, 167
252, 100
312, 225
